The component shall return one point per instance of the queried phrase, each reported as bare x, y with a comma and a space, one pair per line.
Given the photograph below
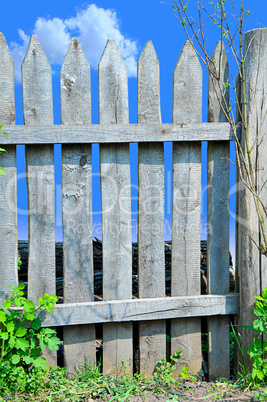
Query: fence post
252, 266
218, 225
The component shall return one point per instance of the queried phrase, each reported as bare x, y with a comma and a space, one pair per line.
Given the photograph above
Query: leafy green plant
259, 348
2, 150
164, 371
19, 263
21, 339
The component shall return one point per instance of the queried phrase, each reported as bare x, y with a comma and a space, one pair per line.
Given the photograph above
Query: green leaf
10, 326
259, 324
30, 316
21, 332
48, 331
29, 306
260, 375
7, 303
11, 341
2, 149
2, 316
53, 343
15, 359
35, 351
41, 301
53, 298
264, 293
18, 302
22, 344
27, 359
4, 336
40, 362
257, 343
36, 324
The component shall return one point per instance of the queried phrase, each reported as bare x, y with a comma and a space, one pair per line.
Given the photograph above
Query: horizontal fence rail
160, 308
126, 133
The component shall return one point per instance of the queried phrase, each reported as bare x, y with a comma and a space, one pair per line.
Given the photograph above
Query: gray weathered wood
38, 110
75, 84
151, 264
187, 107
218, 224
101, 133
252, 266
8, 182
149, 309
116, 206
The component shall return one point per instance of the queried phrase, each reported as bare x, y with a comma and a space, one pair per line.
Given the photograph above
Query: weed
22, 340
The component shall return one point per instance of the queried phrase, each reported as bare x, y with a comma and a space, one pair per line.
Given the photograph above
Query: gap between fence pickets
129, 133
140, 309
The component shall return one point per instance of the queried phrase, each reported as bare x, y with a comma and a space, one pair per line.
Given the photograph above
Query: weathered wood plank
151, 263
116, 206
252, 266
38, 110
101, 133
218, 224
149, 309
187, 107
75, 84
8, 182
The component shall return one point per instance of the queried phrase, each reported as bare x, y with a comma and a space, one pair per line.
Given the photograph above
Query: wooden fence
79, 313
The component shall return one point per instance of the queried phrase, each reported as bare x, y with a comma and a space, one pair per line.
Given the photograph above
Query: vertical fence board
185, 280
38, 110
218, 224
75, 85
151, 258
252, 266
116, 206
8, 182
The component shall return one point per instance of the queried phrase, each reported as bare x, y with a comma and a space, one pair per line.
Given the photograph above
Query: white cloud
92, 27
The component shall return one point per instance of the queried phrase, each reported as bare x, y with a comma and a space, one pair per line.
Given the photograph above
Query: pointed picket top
75, 86
187, 87
7, 101
148, 90
37, 86
215, 113
113, 86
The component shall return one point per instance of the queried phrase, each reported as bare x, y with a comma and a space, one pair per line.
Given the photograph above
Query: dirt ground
196, 391
201, 391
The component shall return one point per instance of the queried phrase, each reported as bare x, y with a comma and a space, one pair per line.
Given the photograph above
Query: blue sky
131, 24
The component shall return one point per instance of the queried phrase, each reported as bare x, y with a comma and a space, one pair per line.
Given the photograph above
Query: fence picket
116, 206
38, 110
151, 257
8, 182
75, 84
185, 280
218, 224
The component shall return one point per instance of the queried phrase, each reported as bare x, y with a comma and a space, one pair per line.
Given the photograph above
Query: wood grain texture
116, 206
102, 133
149, 309
38, 110
218, 224
8, 182
151, 259
75, 84
251, 265
187, 107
